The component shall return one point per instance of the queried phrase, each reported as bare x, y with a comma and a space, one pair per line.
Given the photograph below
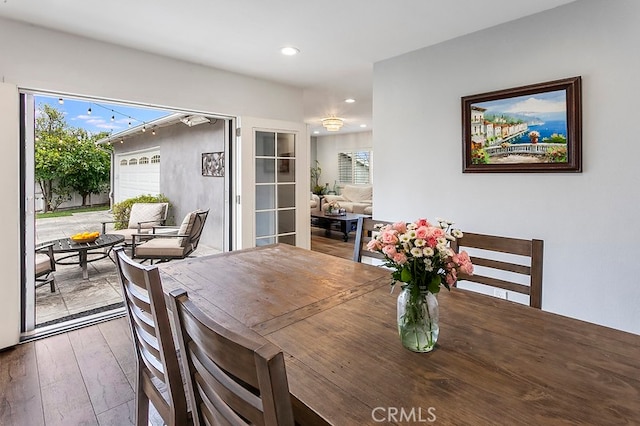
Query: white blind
354, 167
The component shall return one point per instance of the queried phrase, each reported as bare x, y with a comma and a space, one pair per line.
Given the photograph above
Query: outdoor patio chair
166, 243
45, 264
142, 218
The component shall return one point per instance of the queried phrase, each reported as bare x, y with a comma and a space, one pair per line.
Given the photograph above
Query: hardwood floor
87, 376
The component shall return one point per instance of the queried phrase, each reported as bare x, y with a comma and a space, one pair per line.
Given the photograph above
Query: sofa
314, 203
353, 198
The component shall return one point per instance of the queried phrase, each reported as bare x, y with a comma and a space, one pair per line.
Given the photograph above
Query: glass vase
418, 319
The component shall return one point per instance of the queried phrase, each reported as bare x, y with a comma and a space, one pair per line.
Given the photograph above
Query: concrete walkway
75, 296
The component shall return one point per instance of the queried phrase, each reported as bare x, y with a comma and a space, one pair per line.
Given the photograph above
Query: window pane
286, 170
265, 197
265, 144
265, 170
286, 196
286, 145
287, 239
265, 223
265, 241
286, 221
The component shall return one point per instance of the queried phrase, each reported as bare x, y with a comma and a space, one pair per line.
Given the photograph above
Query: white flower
411, 233
411, 225
419, 242
416, 252
428, 265
404, 238
449, 237
442, 241
457, 233
428, 251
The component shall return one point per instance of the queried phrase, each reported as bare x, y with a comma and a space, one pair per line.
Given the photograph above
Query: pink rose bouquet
420, 255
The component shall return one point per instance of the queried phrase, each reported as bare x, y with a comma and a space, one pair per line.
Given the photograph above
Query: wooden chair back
486, 258
158, 371
234, 379
364, 233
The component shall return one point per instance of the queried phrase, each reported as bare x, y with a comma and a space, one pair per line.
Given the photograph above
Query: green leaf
434, 284
405, 275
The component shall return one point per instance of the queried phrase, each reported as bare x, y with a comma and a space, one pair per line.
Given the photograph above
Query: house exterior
166, 159
420, 90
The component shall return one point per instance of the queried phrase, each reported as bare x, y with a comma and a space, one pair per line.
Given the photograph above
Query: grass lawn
69, 212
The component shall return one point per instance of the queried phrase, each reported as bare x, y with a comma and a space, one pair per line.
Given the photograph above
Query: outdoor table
83, 251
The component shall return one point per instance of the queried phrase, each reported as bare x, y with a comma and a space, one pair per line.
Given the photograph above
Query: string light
60, 101
113, 117
144, 129
153, 132
89, 111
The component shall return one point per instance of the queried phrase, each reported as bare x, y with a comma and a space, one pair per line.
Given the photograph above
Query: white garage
137, 173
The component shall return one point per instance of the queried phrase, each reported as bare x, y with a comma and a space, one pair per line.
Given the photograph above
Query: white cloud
537, 106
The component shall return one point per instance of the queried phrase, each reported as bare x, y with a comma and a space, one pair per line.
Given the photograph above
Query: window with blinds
353, 167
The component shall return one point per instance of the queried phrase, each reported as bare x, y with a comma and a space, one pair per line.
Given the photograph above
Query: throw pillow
185, 227
151, 214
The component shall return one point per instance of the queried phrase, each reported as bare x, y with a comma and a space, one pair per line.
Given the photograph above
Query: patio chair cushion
186, 226
152, 214
43, 264
157, 247
126, 233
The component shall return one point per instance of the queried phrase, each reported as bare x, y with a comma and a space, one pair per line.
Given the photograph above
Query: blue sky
548, 105
76, 114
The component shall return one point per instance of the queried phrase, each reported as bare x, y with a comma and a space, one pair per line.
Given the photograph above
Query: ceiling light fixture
194, 120
350, 100
289, 51
332, 124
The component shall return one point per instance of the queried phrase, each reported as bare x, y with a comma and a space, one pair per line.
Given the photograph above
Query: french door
274, 183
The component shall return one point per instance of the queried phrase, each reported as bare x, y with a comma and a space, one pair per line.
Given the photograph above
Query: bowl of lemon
85, 237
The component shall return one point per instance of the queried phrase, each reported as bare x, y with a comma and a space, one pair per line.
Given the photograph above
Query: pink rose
422, 232
401, 227
390, 236
400, 258
464, 262
422, 222
451, 277
374, 245
389, 250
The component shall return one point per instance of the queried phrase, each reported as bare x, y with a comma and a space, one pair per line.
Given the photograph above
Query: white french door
273, 198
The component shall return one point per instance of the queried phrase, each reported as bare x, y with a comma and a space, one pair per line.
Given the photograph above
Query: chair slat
364, 232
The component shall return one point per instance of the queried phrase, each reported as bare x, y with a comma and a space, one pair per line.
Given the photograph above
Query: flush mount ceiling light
194, 120
332, 124
289, 51
350, 100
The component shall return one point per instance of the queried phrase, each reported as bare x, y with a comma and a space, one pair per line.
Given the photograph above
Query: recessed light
289, 51
316, 132
350, 100
363, 125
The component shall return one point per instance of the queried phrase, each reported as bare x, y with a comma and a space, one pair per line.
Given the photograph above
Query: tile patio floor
75, 296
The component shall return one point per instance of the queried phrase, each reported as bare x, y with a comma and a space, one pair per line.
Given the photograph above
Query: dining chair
234, 378
364, 233
170, 242
45, 265
504, 263
158, 372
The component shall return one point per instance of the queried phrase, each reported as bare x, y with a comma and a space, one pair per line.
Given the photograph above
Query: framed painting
535, 128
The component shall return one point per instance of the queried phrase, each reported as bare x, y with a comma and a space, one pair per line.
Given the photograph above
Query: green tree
67, 160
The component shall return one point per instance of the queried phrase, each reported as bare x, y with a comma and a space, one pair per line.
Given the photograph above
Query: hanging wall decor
213, 164
535, 128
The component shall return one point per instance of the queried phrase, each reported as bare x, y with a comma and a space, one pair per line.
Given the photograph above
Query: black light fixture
89, 111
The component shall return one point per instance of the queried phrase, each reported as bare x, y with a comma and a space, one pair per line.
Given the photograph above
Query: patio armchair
142, 218
45, 264
166, 242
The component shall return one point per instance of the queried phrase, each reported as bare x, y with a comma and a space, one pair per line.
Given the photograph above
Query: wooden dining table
496, 362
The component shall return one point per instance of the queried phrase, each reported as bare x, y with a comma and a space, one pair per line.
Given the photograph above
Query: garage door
137, 173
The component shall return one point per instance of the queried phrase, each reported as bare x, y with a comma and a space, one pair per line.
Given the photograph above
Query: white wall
328, 147
587, 220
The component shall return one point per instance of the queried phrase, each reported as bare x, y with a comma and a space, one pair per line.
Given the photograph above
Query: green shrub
122, 209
